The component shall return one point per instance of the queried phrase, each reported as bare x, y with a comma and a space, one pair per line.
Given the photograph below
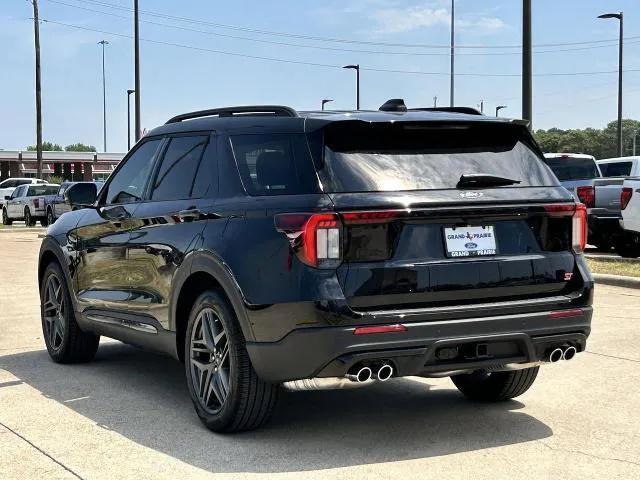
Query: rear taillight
578, 212
36, 202
587, 195
315, 238
625, 197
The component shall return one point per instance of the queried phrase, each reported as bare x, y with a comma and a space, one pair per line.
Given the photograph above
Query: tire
5, 217
44, 223
50, 218
65, 341
628, 250
495, 386
28, 219
243, 401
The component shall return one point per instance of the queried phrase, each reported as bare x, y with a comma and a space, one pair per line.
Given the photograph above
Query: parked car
630, 223
28, 202
263, 246
580, 174
10, 184
60, 204
620, 167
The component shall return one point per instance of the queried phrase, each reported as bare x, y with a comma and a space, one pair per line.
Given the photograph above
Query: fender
208, 262
51, 245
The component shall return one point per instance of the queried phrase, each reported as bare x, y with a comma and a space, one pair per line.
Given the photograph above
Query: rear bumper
332, 351
604, 225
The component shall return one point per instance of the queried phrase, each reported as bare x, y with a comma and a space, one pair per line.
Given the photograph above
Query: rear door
15, 204
416, 236
169, 222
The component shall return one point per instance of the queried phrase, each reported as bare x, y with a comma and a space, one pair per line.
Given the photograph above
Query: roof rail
259, 110
467, 110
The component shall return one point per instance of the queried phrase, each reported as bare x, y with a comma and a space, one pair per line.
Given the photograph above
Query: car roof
619, 159
569, 155
306, 121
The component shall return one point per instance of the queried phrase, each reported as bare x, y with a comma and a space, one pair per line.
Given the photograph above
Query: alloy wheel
54, 311
209, 360
49, 217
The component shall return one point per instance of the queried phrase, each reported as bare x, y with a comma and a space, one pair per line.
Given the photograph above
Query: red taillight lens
579, 226
587, 195
398, 327
316, 238
36, 202
625, 197
381, 216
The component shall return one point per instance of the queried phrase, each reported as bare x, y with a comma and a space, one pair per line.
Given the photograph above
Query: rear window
361, 157
571, 168
274, 164
616, 169
36, 190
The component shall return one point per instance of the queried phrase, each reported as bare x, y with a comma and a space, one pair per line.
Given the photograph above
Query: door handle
189, 214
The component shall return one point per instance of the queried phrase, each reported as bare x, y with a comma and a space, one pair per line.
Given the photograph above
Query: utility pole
129, 92
635, 136
481, 106
527, 68
36, 32
453, 53
136, 41
435, 102
104, 99
620, 17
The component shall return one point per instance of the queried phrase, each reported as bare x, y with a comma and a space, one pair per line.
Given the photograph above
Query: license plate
470, 241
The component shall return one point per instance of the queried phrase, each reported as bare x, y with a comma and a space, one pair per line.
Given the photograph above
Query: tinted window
175, 178
128, 183
616, 169
206, 183
570, 168
277, 164
22, 182
36, 190
18, 192
361, 157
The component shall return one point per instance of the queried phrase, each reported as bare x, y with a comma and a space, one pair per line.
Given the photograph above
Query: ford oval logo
471, 245
470, 194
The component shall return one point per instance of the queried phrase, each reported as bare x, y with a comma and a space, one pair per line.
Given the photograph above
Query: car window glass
23, 182
128, 183
175, 178
616, 169
17, 192
206, 183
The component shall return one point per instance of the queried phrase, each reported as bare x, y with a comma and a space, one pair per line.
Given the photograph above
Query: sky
198, 54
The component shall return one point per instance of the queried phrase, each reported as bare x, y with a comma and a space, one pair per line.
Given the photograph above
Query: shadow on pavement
143, 397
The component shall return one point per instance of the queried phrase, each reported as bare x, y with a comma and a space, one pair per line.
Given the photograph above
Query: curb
617, 280
611, 258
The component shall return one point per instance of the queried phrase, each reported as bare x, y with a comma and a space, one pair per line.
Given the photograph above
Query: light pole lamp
104, 98
357, 69
498, 108
620, 17
129, 92
326, 100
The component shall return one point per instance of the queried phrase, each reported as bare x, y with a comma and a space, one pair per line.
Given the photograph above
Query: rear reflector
625, 197
575, 312
380, 329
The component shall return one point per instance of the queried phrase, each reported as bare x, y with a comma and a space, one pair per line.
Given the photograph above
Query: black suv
263, 246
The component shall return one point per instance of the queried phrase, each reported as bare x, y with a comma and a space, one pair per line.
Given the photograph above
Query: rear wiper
484, 180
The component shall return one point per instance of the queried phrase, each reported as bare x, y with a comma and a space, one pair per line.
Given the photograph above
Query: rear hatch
416, 234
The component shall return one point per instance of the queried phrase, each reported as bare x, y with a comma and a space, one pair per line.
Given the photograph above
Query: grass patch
629, 269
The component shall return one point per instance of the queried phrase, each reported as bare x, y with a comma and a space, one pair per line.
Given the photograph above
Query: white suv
10, 184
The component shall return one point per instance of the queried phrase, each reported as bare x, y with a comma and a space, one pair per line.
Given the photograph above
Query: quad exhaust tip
569, 353
385, 372
361, 375
556, 355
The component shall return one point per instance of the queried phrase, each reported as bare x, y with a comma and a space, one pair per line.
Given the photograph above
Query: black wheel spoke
53, 312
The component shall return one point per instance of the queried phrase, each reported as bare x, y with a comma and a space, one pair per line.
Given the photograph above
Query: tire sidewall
50, 218
54, 269
5, 217
225, 416
27, 217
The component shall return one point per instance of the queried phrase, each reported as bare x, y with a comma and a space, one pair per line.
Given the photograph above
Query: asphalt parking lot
128, 414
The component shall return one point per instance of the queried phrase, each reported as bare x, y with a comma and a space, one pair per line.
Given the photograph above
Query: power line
326, 65
336, 40
335, 49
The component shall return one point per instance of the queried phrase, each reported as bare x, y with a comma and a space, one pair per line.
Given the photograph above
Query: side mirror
81, 194
7, 197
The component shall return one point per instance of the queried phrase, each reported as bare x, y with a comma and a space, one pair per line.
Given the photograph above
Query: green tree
47, 147
80, 147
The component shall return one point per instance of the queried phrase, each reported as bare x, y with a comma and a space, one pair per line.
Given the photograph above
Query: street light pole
498, 108
326, 100
36, 33
435, 102
620, 17
357, 69
527, 68
453, 53
104, 99
129, 92
136, 41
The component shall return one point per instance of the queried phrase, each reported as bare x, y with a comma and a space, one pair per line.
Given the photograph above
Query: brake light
625, 197
587, 195
315, 238
380, 216
579, 227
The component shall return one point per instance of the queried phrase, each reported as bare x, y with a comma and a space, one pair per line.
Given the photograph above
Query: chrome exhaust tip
556, 355
361, 375
569, 353
385, 372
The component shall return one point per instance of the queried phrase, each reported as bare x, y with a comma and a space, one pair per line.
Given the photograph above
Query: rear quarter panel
631, 214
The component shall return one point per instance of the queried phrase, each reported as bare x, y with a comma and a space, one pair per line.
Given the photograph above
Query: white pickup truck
630, 223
